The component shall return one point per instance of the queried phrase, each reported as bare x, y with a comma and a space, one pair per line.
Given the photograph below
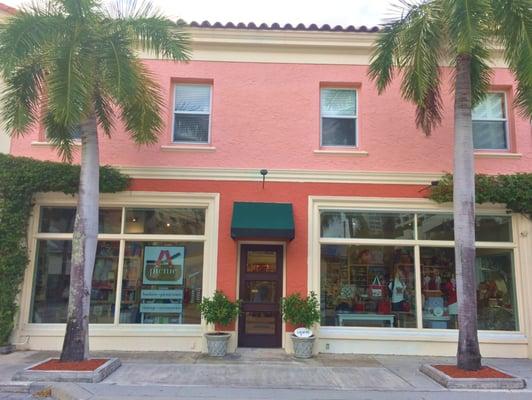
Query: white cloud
332, 12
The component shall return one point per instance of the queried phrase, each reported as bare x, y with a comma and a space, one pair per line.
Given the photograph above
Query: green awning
262, 220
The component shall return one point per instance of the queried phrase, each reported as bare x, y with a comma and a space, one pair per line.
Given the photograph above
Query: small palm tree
464, 33
71, 66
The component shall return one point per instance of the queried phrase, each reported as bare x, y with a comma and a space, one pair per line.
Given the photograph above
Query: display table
435, 322
342, 317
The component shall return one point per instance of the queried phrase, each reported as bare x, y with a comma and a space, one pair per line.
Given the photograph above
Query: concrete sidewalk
261, 374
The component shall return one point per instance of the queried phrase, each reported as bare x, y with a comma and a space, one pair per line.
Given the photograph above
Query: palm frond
103, 108
28, 33
150, 30
420, 49
513, 29
382, 59
468, 23
20, 98
60, 136
481, 74
69, 83
133, 90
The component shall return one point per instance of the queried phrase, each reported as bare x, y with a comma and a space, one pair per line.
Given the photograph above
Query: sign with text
163, 265
161, 294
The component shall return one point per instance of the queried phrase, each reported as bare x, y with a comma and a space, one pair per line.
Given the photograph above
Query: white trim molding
282, 175
496, 154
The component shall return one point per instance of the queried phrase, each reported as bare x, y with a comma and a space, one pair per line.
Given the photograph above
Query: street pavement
264, 374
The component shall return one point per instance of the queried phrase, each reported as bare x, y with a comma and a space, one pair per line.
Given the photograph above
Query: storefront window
368, 286
367, 225
52, 282
372, 283
162, 283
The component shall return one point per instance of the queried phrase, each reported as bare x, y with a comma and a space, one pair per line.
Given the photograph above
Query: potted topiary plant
301, 313
222, 311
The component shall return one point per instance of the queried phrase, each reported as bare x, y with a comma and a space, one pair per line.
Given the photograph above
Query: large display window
155, 279
397, 269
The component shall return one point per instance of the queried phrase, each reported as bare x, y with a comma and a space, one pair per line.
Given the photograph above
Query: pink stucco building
341, 211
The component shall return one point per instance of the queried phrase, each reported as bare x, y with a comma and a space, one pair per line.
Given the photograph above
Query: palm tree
463, 33
71, 66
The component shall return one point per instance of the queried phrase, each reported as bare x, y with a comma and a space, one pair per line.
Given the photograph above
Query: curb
23, 387
70, 391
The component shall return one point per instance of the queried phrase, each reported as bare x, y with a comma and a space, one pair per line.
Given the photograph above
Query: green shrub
514, 191
301, 312
20, 179
219, 309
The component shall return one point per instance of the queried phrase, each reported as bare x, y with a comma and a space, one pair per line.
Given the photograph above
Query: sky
332, 12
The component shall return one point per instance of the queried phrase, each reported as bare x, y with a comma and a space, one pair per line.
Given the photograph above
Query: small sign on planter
303, 332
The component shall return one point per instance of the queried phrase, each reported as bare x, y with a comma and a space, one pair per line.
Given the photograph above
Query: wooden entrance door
261, 287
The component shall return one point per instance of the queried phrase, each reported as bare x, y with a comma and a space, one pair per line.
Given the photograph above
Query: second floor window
490, 123
338, 117
192, 113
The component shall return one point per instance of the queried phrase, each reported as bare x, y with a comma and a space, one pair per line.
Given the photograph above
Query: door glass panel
260, 323
261, 261
261, 291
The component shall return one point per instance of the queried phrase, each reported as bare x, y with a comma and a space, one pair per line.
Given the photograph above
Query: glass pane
261, 261
367, 225
497, 304
492, 107
368, 286
165, 221
338, 102
440, 308
103, 293
493, 229
110, 220
57, 219
338, 132
193, 98
61, 220
435, 227
260, 323
260, 291
489, 135
52, 282
191, 128
162, 283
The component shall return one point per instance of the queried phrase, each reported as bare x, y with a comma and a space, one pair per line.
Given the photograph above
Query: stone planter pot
303, 347
217, 343
7, 349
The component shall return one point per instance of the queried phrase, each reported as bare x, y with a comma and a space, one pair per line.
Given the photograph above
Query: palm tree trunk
468, 356
84, 242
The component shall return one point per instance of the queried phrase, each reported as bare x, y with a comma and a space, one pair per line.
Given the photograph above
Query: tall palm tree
463, 33
71, 66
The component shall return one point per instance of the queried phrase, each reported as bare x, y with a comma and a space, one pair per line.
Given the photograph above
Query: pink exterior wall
267, 116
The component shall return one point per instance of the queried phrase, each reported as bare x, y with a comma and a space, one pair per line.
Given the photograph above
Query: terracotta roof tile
286, 27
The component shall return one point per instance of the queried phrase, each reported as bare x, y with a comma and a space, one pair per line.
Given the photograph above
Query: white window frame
208, 201
355, 117
505, 120
362, 204
174, 112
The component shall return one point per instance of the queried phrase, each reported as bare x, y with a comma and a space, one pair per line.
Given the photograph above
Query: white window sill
48, 144
496, 154
342, 152
192, 148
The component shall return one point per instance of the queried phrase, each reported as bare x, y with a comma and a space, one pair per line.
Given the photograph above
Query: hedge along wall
514, 191
20, 179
